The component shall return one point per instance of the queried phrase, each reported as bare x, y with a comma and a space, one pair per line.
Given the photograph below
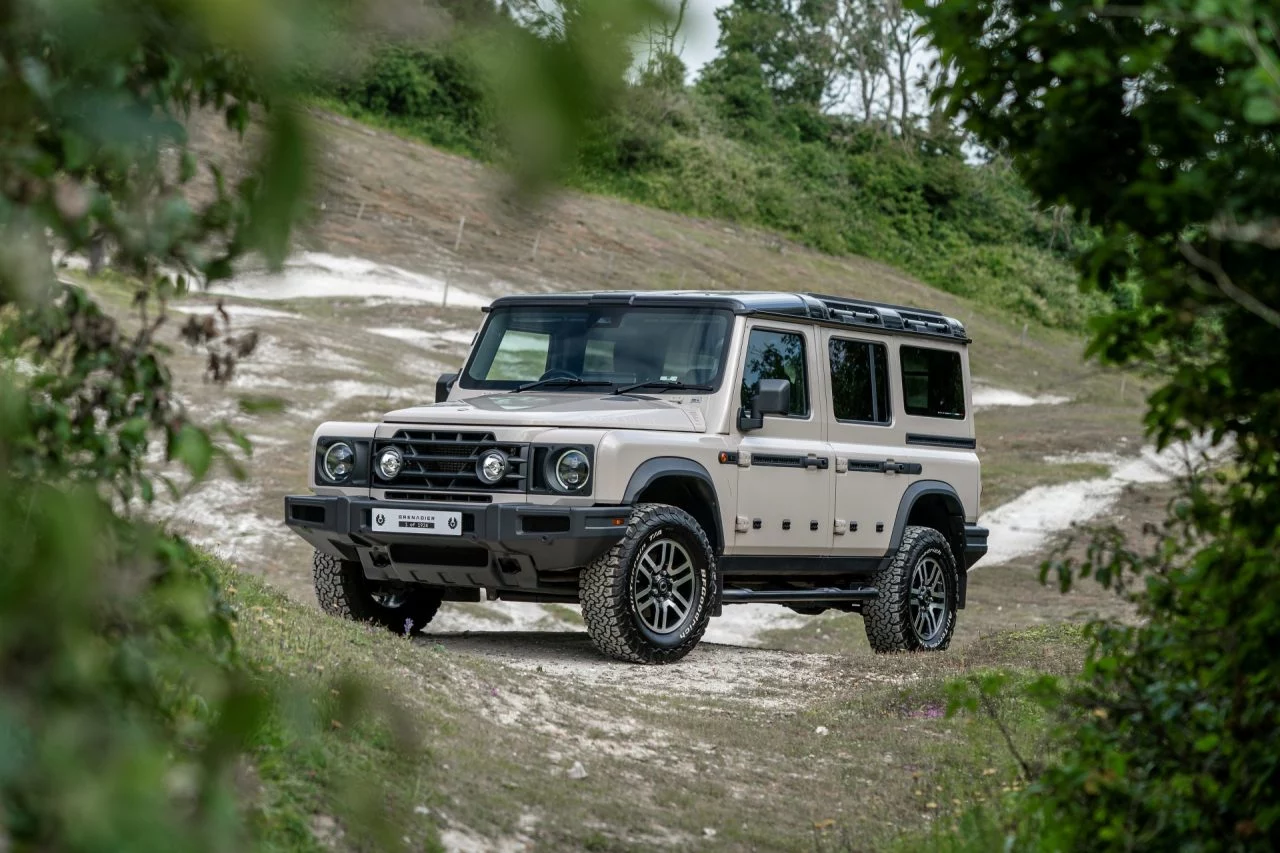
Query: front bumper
975, 544
515, 546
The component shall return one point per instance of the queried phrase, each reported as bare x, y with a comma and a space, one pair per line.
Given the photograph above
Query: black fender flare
955, 536
677, 467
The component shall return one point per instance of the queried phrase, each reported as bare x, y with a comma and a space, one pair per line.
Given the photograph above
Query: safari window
932, 382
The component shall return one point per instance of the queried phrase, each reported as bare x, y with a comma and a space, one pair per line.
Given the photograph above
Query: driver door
785, 476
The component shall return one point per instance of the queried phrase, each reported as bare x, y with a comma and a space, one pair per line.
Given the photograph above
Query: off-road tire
888, 618
343, 590
605, 589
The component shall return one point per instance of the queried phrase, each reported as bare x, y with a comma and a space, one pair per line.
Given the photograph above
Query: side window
860, 381
520, 355
776, 355
932, 382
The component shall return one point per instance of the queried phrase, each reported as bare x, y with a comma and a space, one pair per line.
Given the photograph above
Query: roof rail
882, 315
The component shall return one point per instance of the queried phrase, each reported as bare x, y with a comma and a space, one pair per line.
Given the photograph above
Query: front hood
560, 410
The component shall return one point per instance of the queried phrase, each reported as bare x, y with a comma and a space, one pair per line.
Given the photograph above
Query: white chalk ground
237, 311
1027, 523
315, 275
987, 397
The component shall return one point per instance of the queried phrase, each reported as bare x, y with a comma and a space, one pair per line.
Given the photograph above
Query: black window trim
808, 374
964, 385
888, 365
469, 383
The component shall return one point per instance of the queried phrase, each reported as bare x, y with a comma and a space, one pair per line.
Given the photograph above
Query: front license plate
417, 521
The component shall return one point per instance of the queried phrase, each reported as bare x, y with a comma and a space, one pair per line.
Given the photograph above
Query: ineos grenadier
655, 456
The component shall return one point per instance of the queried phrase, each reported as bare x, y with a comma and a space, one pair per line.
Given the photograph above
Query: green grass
893, 763
262, 404
344, 759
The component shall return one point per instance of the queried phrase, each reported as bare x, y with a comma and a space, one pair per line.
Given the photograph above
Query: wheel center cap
664, 586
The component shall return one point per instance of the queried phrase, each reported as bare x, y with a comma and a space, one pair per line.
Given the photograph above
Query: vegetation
130, 719
1157, 125
803, 124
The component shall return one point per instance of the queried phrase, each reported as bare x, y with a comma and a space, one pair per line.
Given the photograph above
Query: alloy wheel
664, 586
928, 601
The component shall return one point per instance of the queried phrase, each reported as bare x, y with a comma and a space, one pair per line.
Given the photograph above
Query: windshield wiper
572, 381
663, 384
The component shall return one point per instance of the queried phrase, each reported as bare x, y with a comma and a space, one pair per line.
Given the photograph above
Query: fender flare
662, 467
955, 537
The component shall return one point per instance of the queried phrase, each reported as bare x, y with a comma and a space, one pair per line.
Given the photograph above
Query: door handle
815, 461
890, 467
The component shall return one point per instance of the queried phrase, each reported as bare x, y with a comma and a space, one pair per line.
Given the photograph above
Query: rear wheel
916, 609
343, 590
648, 599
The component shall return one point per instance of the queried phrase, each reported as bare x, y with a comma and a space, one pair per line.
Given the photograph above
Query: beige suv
656, 456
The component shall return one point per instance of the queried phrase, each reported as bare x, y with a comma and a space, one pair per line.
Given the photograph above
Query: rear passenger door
784, 476
865, 440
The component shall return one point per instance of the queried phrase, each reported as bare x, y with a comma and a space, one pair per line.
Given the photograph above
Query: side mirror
773, 397
444, 385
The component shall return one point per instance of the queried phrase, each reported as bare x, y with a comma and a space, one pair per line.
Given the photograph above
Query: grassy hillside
826, 181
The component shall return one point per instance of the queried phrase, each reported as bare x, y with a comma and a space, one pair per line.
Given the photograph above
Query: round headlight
571, 470
390, 463
339, 461
492, 467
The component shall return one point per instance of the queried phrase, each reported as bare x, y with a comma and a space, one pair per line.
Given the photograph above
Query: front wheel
648, 598
916, 609
343, 590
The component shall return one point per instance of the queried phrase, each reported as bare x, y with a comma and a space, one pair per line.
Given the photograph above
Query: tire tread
604, 593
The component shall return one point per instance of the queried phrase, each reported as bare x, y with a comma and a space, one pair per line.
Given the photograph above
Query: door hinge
741, 524
841, 527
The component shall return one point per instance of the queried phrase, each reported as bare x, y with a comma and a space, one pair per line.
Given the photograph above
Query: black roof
811, 306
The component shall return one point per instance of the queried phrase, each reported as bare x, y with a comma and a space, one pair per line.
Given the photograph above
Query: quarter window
932, 382
859, 381
776, 355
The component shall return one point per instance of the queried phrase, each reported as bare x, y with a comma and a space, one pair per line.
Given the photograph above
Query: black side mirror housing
773, 397
444, 385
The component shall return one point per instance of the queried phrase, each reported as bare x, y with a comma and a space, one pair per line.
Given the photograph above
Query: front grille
446, 461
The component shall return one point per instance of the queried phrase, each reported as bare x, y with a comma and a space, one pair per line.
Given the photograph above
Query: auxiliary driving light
390, 463
492, 467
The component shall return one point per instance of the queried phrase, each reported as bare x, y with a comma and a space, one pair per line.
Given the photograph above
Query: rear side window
932, 382
776, 355
859, 381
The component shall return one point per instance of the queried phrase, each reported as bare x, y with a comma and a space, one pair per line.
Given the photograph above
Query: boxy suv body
656, 456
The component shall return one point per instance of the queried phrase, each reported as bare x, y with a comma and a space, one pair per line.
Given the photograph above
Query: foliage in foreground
129, 717
1158, 124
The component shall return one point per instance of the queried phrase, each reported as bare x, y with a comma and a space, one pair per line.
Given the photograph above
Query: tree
783, 44
829, 56
1156, 124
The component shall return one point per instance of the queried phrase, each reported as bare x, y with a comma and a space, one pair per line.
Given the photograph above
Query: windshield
605, 345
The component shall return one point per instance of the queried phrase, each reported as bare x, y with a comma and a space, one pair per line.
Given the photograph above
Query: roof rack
881, 315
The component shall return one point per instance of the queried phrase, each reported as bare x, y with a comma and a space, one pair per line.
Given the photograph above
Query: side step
798, 596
